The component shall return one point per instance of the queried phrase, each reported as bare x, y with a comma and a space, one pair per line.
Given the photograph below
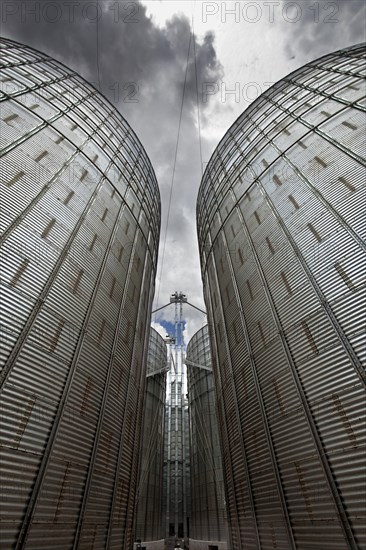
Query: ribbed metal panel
149, 520
281, 232
208, 511
79, 244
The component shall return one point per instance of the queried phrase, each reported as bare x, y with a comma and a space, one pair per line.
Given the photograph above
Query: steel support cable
97, 22
197, 95
174, 167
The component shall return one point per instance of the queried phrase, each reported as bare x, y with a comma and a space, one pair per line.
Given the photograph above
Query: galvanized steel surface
80, 229
281, 228
208, 510
149, 521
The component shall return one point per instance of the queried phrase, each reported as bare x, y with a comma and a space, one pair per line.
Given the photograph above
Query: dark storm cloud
141, 69
137, 65
124, 47
324, 27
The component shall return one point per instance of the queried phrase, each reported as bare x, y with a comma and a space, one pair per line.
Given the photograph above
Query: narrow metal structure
149, 520
176, 469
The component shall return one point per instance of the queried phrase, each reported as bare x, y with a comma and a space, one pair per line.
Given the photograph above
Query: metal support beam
177, 299
158, 371
159, 308
192, 364
195, 307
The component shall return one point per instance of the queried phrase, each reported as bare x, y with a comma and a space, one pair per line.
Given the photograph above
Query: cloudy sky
136, 53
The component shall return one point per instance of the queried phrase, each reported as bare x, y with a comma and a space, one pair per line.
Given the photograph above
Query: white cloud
159, 328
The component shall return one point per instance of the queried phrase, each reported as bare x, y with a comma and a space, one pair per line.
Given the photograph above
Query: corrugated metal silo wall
149, 522
208, 513
281, 229
80, 229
